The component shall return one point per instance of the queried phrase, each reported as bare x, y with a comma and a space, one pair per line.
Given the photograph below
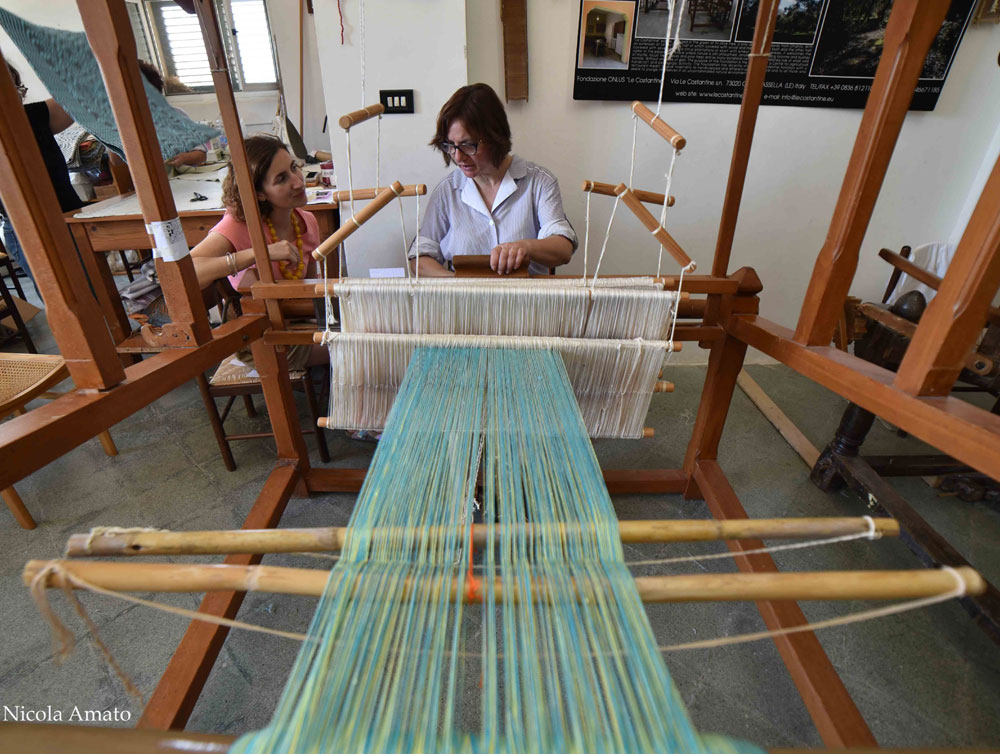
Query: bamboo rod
331, 539
360, 116
356, 221
666, 240
703, 587
662, 386
410, 189
659, 125
647, 432
606, 189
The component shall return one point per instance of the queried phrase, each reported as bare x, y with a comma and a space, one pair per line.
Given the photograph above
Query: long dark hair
260, 152
481, 112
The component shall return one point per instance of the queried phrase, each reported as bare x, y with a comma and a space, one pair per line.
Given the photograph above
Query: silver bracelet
232, 263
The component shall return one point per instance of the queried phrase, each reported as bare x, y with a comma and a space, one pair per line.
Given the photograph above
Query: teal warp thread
566, 662
66, 65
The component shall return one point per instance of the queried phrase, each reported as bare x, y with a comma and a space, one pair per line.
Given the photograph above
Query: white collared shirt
457, 221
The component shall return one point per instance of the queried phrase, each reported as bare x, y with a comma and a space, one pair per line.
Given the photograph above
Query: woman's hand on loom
508, 257
282, 251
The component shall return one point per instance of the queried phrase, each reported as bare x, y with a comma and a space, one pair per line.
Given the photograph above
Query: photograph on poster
796, 23
709, 20
850, 39
605, 33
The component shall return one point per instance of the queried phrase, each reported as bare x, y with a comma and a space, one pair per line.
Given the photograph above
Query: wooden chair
8, 307
233, 379
24, 377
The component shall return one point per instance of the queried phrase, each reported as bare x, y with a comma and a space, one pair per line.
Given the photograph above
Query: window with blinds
170, 38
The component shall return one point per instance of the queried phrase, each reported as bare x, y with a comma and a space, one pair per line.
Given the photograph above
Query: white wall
796, 167
408, 45
256, 108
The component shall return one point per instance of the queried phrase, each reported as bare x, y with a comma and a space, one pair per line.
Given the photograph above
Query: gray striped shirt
457, 221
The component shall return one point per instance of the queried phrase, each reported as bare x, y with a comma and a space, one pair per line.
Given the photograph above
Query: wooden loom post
954, 319
753, 91
31, 203
725, 361
272, 364
237, 148
109, 32
912, 26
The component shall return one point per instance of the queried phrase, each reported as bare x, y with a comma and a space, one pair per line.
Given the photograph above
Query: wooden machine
720, 315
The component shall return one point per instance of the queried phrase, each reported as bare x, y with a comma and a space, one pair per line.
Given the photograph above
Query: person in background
494, 202
192, 157
47, 119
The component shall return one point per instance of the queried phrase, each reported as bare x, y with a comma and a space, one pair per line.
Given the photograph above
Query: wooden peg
662, 386
661, 235
647, 432
360, 116
356, 221
659, 125
649, 197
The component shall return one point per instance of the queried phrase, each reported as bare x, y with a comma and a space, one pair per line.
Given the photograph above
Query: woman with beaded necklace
291, 233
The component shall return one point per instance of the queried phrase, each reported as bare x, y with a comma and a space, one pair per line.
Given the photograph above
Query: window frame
152, 33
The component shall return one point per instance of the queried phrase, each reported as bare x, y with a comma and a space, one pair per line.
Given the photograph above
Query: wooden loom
721, 316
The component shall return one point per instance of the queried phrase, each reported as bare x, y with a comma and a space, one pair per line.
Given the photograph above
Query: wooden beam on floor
172, 702
834, 713
785, 426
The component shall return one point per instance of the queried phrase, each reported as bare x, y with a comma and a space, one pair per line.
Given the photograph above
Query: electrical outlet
396, 100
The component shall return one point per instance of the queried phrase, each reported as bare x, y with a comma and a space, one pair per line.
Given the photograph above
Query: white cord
881, 612
604, 247
361, 14
586, 236
663, 211
378, 153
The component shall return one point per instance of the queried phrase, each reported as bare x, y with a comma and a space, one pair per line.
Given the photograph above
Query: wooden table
98, 233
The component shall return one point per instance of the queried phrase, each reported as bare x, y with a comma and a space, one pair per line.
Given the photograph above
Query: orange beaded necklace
300, 269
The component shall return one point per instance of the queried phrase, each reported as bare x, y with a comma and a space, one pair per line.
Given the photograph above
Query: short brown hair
482, 113
261, 150
152, 74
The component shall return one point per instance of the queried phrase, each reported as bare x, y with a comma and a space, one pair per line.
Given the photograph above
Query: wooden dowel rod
659, 125
654, 227
411, 189
354, 222
360, 116
663, 386
647, 432
331, 539
607, 189
704, 587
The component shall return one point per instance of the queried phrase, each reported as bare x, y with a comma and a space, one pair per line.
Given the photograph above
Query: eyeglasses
466, 147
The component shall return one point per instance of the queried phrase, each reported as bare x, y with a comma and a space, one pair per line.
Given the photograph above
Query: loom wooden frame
725, 321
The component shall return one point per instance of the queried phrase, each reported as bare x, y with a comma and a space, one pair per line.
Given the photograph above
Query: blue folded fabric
66, 65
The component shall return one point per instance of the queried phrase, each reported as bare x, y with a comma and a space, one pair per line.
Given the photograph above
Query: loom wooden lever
659, 232
659, 125
606, 189
360, 116
356, 221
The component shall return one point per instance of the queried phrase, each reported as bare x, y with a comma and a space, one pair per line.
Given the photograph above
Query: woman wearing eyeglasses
494, 202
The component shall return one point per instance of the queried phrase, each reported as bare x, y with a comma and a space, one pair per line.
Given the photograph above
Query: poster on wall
824, 53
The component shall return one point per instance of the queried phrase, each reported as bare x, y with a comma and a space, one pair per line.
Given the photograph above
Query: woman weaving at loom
291, 233
495, 201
